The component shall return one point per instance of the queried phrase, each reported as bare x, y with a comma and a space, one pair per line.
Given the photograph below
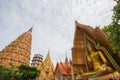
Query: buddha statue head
89, 48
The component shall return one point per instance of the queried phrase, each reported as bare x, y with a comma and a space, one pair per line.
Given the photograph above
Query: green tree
25, 72
113, 29
7, 73
2, 72
22, 72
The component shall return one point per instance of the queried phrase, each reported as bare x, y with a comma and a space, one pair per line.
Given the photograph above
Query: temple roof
97, 34
64, 68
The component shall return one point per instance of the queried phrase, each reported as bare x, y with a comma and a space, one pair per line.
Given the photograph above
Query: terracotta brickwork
17, 52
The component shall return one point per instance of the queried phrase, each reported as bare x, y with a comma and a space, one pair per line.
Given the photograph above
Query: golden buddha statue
97, 61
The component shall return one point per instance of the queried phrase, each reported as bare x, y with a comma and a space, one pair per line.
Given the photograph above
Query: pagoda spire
18, 51
31, 28
48, 55
66, 59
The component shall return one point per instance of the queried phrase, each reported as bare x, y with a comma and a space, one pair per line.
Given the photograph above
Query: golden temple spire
48, 55
47, 68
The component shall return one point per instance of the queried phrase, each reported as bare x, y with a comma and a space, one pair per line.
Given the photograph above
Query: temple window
19, 61
11, 60
21, 55
1, 58
15, 53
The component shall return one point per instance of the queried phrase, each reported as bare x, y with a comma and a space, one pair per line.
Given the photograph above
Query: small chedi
37, 60
17, 52
92, 55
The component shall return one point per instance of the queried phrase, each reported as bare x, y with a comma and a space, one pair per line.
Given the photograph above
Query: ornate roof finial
97, 27
70, 61
49, 52
66, 59
76, 21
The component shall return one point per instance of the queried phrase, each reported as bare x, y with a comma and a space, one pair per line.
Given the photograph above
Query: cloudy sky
54, 22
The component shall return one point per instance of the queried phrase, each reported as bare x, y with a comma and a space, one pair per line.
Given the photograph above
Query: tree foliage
23, 72
26, 73
7, 73
113, 29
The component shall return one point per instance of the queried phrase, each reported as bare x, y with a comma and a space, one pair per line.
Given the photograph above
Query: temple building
46, 69
63, 70
37, 60
92, 55
18, 51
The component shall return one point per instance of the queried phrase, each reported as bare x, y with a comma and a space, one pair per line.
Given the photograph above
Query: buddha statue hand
105, 69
